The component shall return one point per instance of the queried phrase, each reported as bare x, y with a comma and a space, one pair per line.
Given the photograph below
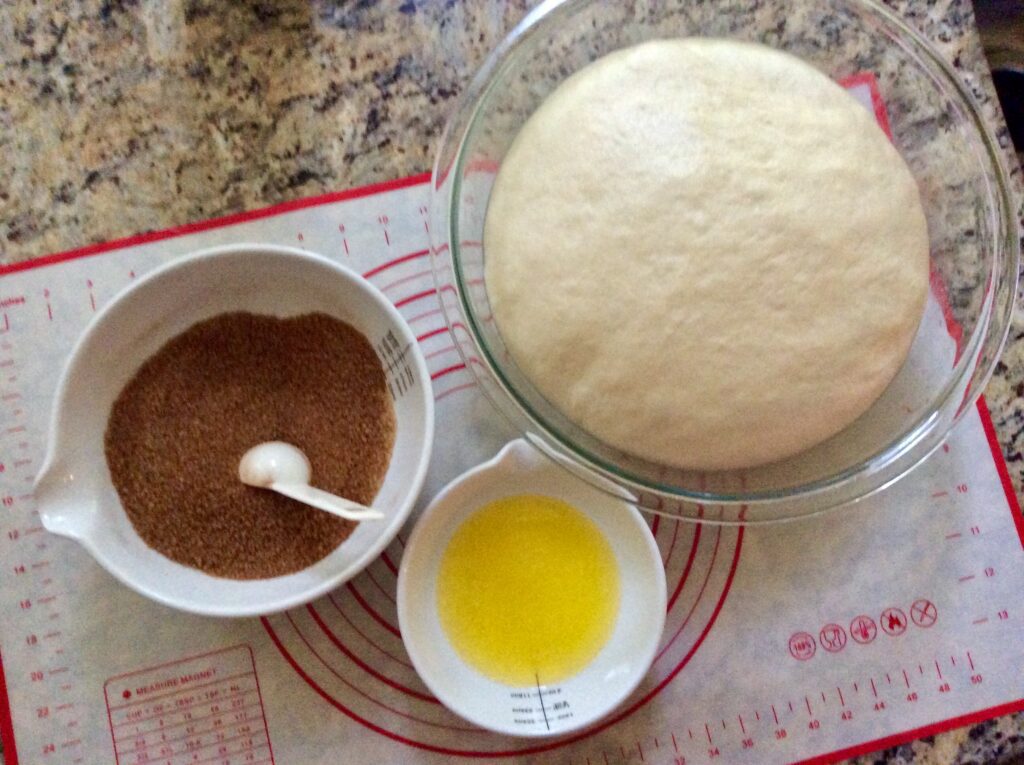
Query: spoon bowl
284, 468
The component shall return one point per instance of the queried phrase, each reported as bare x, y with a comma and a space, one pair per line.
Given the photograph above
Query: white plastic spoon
283, 468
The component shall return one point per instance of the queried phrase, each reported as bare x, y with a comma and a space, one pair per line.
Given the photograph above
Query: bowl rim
300, 597
880, 469
444, 506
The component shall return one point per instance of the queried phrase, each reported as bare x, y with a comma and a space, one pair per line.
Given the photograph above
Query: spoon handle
326, 501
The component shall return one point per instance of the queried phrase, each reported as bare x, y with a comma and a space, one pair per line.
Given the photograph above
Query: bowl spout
63, 505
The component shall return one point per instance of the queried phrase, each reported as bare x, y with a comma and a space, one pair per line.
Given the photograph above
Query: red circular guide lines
329, 648
366, 639
365, 666
924, 613
672, 544
380, 700
671, 641
863, 629
893, 621
686, 570
358, 691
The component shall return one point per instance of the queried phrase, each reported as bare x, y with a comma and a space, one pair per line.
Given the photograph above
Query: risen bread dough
706, 253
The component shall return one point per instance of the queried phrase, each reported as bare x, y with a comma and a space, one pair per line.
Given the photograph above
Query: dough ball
706, 253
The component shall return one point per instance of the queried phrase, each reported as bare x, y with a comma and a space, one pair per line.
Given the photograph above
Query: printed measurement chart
204, 709
886, 621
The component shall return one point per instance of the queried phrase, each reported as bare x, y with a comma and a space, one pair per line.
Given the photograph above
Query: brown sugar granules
179, 428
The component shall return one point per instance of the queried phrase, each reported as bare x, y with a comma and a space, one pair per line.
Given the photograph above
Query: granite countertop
119, 116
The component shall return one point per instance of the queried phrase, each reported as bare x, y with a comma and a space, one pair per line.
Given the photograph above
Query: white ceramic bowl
617, 669
74, 492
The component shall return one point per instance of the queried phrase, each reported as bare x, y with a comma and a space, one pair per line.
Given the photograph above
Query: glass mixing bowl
937, 128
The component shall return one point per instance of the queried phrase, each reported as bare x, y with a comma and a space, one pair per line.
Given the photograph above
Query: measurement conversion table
207, 709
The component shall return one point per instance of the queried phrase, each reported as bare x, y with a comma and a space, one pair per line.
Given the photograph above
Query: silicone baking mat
815, 639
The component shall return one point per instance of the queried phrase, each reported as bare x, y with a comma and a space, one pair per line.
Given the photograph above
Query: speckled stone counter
119, 116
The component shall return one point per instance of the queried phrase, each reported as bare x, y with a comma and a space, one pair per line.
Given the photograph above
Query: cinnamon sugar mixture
179, 428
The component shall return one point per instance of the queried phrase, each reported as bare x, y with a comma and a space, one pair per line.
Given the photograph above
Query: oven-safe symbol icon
863, 629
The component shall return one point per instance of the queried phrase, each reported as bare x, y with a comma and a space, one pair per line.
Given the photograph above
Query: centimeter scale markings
40, 651
750, 730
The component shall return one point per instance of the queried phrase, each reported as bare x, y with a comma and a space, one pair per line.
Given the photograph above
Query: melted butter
528, 590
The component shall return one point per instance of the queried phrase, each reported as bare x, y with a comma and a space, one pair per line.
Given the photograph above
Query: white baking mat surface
832, 635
